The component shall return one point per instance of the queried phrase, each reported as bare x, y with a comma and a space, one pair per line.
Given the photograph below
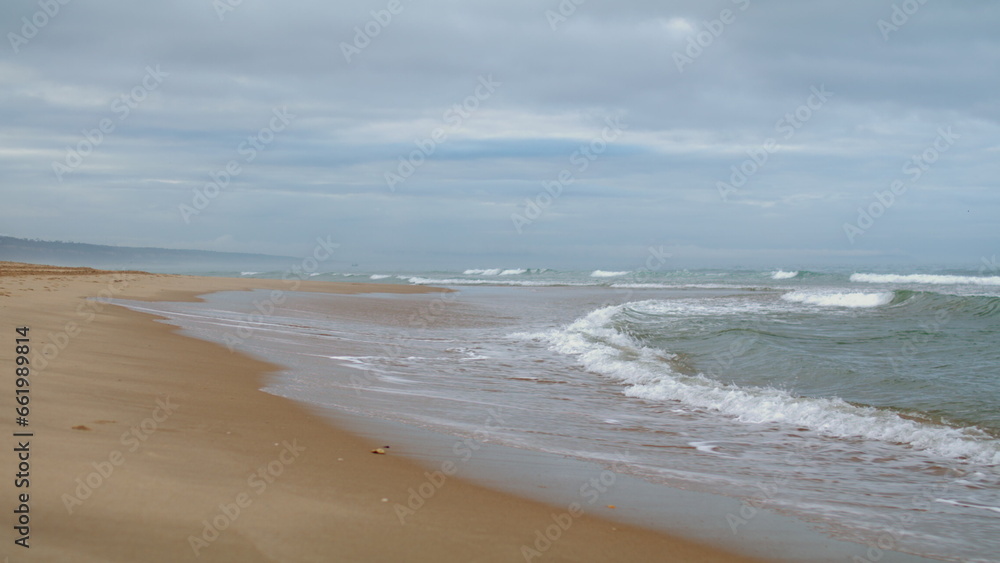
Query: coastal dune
148, 445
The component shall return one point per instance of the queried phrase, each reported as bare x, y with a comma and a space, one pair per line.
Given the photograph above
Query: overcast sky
521, 133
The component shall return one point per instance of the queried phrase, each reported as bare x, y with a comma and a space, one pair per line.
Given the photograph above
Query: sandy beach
151, 446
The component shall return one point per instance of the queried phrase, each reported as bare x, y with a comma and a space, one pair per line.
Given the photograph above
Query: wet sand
151, 446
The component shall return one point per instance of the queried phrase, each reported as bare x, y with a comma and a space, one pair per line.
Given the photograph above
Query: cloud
422, 70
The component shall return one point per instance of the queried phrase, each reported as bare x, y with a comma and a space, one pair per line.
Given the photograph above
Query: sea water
865, 404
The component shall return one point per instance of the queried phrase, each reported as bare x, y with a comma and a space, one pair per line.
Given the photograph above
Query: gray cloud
655, 183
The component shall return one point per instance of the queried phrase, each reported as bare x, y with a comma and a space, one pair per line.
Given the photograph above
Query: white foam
783, 275
494, 272
417, 280
607, 274
831, 299
249, 273
602, 349
968, 504
380, 276
706, 446
686, 286
926, 278
701, 307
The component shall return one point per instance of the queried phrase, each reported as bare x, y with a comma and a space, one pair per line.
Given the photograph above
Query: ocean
865, 404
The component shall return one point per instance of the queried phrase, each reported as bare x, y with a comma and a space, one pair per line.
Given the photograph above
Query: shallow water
865, 406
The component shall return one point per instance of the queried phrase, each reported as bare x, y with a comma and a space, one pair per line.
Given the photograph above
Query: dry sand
142, 435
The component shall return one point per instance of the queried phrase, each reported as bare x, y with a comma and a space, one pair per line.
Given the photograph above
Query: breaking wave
832, 299
935, 279
783, 275
601, 342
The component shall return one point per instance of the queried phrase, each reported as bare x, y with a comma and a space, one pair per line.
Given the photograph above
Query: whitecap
783, 275
926, 278
830, 299
602, 349
418, 280
494, 272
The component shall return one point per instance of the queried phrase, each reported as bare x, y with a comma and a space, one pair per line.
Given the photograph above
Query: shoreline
185, 454
558, 479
